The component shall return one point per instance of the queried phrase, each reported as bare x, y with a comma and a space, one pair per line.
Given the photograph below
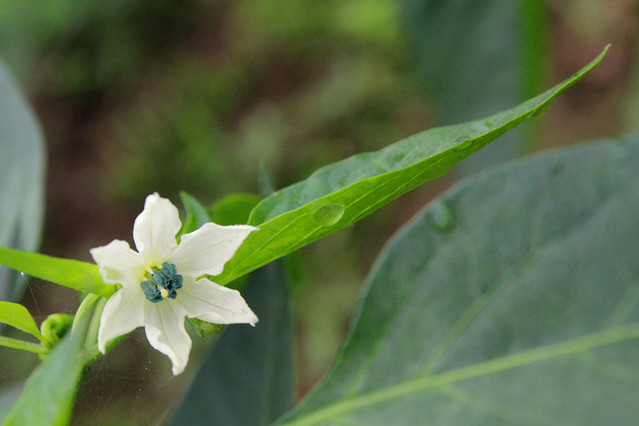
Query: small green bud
203, 328
55, 327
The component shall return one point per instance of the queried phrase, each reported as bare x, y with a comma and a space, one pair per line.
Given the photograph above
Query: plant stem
22, 345
92, 332
84, 311
91, 353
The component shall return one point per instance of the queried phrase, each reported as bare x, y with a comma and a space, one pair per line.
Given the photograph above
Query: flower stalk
36, 348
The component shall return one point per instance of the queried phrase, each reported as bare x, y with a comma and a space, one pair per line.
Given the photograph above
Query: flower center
162, 283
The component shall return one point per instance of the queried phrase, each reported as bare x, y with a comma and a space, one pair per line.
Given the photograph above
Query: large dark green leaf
248, 378
22, 179
337, 195
512, 300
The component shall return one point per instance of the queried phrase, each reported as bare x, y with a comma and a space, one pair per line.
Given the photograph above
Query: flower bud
55, 327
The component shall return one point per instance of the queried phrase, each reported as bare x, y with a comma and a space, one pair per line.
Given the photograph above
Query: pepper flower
163, 281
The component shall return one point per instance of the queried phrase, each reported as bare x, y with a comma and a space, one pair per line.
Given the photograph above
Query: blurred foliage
138, 96
217, 87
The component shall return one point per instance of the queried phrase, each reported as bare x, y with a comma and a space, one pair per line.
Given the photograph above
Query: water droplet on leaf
540, 111
459, 143
442, 216
329, 214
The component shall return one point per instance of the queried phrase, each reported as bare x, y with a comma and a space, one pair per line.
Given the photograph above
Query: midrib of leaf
568, 347
234, 273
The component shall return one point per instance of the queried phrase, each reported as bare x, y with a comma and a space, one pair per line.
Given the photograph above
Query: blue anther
164, 278
151, 291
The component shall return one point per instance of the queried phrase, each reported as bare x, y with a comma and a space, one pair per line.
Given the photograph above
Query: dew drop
540, 111
441, 216
329, 214
459, 143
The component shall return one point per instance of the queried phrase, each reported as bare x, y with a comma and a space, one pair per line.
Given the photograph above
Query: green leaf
249, 368
50, 391
234, 209
17, 316
22, 166
77, 275
196, 214
342, 193
514, 299
467, 58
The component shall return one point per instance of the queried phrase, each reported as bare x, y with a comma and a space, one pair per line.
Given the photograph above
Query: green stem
22, 345
533, 17
94, 326
91, 353
84, 311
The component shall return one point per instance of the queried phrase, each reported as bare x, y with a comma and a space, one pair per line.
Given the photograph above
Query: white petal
155, 228
214, 303
122, 313
118, 263
206, 250
164, 324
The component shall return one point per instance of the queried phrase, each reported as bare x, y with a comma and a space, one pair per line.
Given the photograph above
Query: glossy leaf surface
339, 194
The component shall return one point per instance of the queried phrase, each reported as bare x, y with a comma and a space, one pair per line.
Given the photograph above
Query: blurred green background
140, 96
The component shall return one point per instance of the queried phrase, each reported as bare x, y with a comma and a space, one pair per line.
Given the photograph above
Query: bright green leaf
77, 275
22, 175
342, 193
251, 368
17, 316
514, 299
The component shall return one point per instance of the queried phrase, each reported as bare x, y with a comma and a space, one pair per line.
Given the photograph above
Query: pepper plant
511, 299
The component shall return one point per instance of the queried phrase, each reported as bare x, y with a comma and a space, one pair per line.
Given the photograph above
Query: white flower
161, 284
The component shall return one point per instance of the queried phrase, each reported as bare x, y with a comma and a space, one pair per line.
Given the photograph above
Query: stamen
163, 283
